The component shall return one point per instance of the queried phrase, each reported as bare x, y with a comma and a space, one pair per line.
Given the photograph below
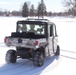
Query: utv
34, 39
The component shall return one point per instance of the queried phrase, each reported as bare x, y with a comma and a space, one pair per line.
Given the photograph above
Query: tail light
36, 43
4, 40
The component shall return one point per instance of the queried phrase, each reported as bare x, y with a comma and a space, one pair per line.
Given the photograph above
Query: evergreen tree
41, 10
32, 10
25, 10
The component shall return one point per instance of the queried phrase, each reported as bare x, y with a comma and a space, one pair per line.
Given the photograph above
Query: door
50, 39
55, 39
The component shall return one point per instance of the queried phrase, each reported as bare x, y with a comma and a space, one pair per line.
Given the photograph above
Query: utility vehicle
34, 39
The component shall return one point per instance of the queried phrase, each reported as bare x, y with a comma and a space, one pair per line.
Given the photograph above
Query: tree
32, 10
41, 10
25, 10
71, 5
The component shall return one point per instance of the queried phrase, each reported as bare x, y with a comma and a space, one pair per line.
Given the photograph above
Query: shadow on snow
25, 67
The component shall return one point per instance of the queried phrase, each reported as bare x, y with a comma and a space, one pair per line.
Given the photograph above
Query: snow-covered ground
64, 65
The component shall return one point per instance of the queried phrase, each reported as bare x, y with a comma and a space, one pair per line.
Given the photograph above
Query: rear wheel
57, 51
11, 56
38, 59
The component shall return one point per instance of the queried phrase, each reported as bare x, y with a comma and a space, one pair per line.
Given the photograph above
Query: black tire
11, 56
38, 59
57, 51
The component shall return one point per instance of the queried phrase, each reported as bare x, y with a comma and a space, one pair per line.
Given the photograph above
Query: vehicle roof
41, 20
37, 20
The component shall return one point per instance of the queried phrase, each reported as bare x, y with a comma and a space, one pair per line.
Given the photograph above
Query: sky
52, 5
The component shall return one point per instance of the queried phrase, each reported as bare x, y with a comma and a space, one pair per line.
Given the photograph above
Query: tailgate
20, 42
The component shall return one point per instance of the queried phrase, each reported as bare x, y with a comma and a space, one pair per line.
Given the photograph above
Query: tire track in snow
68, 51
68, 54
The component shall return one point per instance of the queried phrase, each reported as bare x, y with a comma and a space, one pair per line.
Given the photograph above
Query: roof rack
32, 19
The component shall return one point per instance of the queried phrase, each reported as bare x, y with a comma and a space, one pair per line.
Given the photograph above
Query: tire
11, 56
38, 59
57, 51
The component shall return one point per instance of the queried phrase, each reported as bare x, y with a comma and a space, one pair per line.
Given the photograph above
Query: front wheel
57, 51
11, 56
38, 59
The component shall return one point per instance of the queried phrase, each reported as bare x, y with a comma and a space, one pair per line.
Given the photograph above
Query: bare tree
71, 6
16, 13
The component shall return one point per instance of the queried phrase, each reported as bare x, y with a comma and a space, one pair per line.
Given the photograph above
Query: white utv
34, 39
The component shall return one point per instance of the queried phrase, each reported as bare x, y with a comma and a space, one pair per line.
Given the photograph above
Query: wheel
57, 51
11, 56
38, 59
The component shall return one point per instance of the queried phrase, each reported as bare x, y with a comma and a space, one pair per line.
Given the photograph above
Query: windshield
35, 28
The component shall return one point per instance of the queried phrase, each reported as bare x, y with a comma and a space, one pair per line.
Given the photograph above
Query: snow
65, 64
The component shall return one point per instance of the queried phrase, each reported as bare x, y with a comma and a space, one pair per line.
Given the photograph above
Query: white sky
52, 5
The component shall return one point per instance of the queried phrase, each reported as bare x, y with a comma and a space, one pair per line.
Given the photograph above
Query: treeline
19, 13
8, 13
40, 11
